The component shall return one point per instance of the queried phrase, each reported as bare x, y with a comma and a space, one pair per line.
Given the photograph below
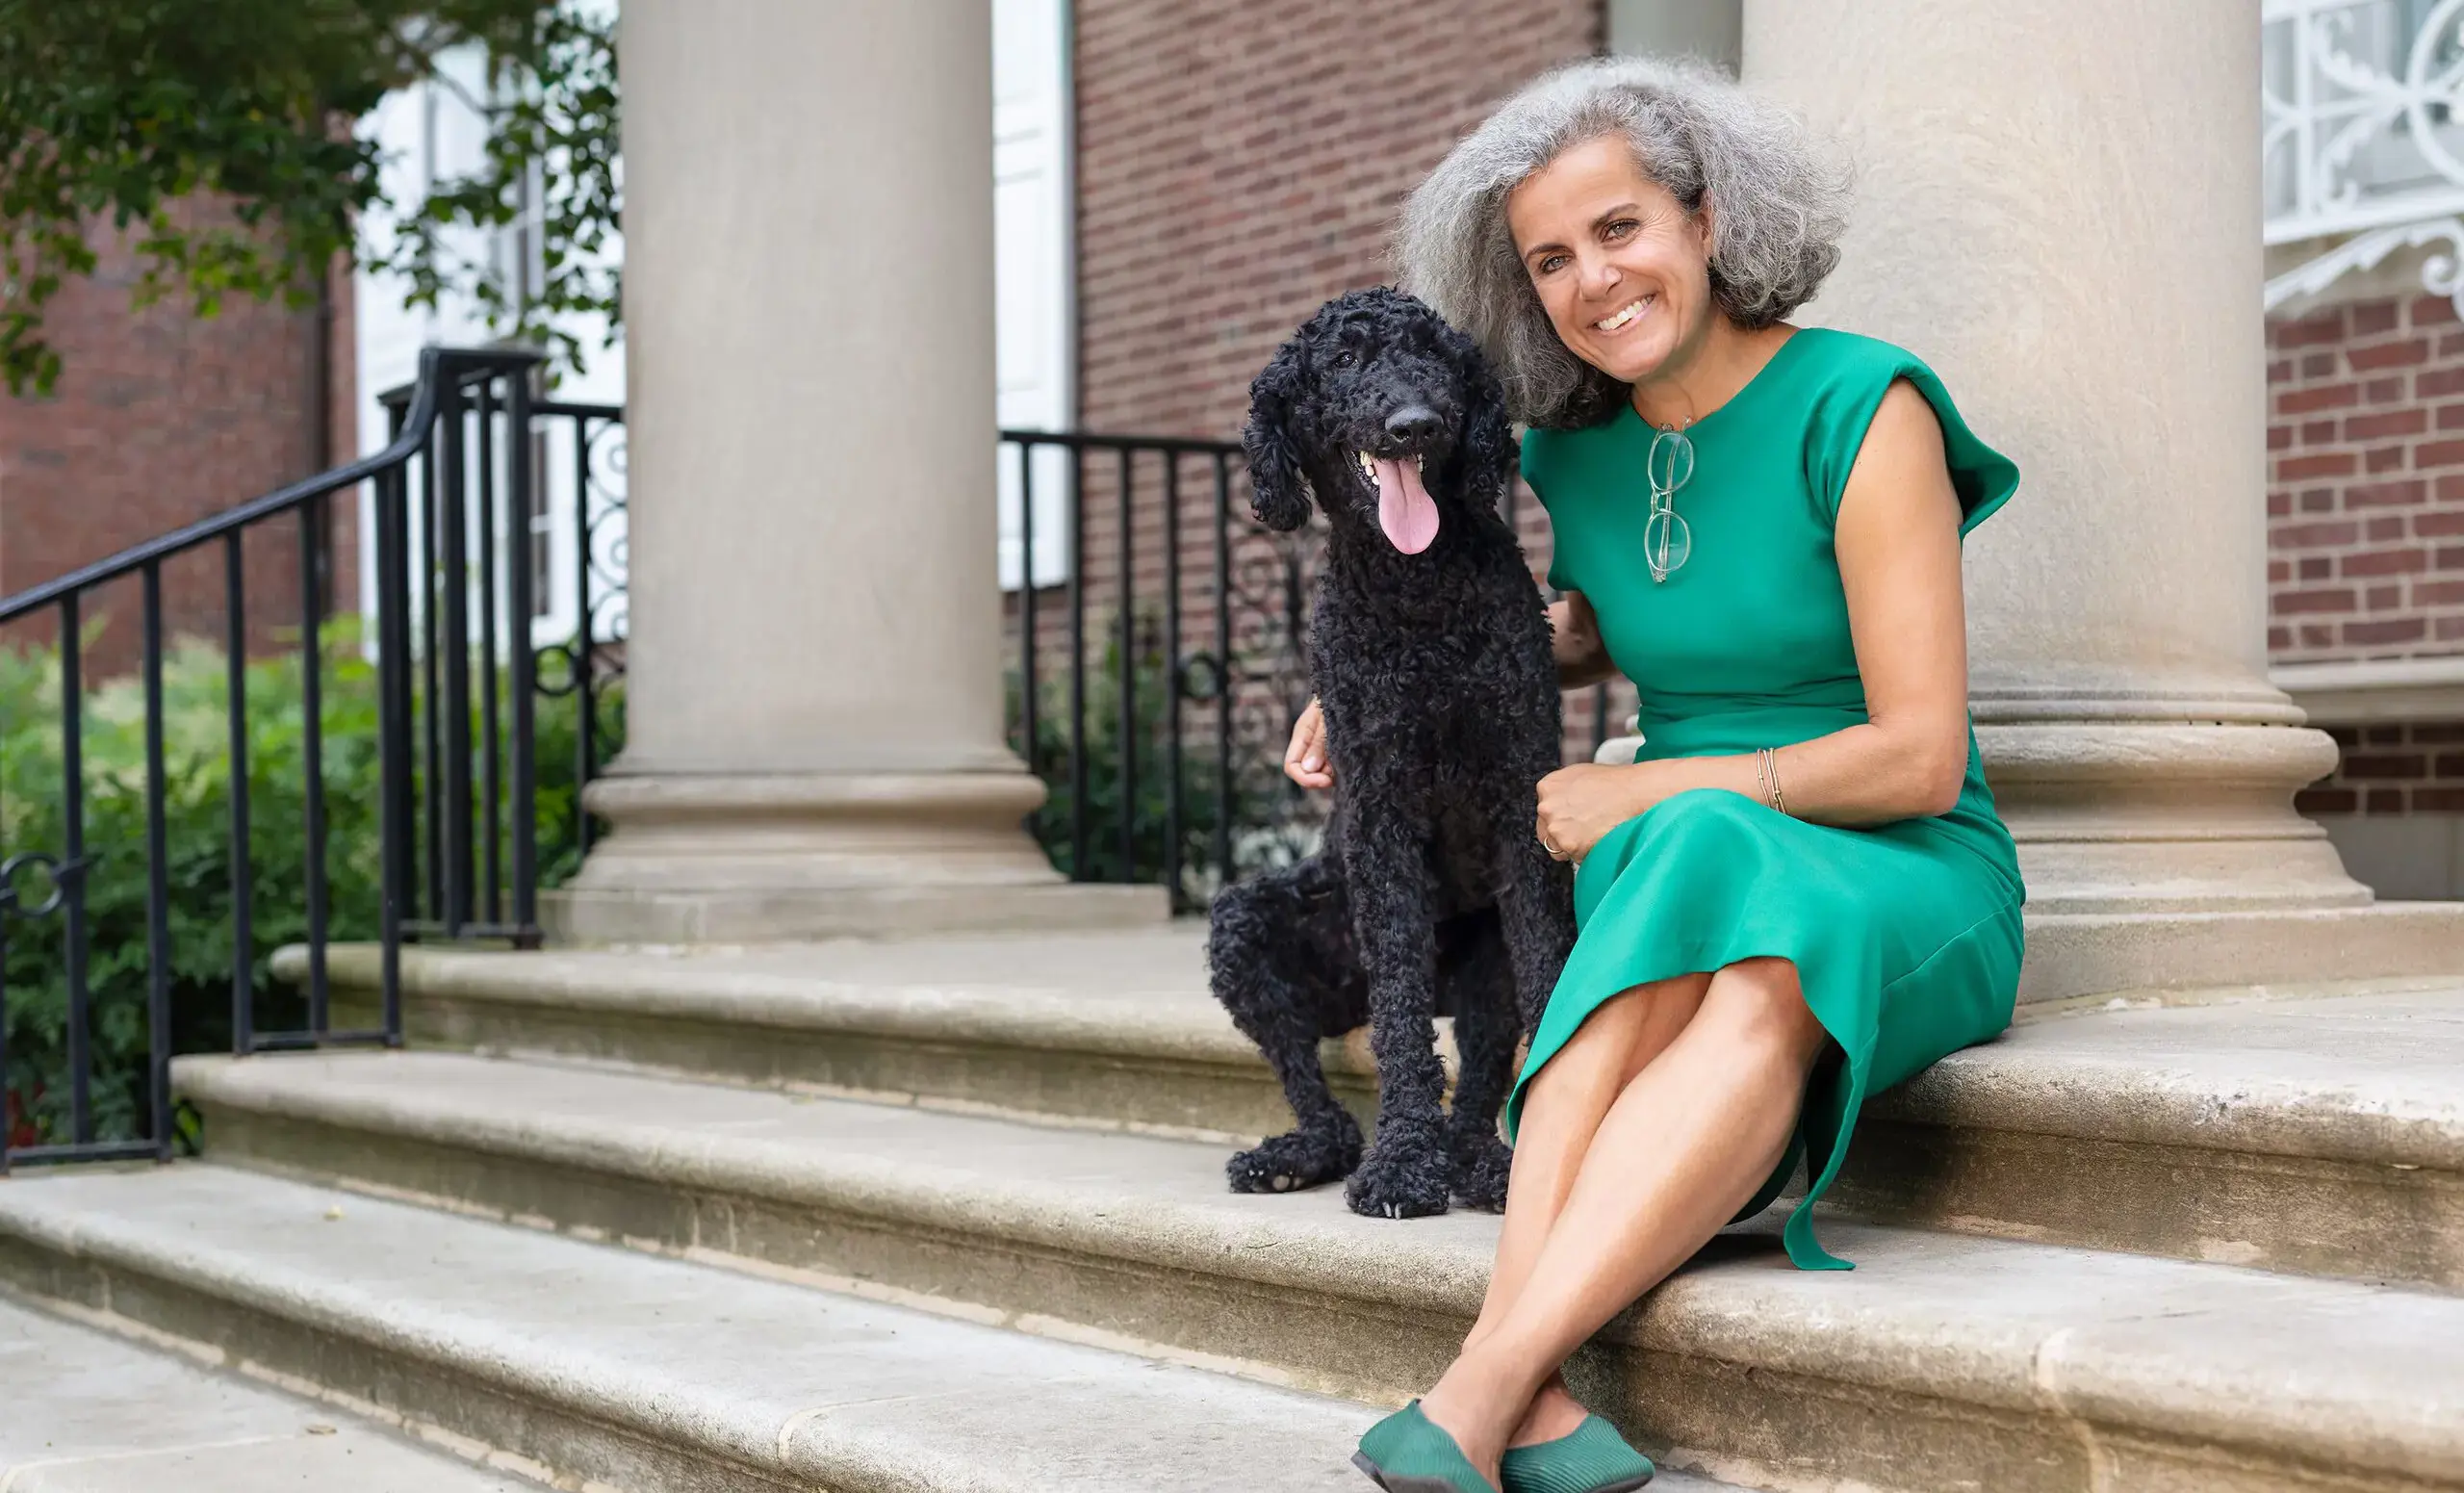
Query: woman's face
1622, 269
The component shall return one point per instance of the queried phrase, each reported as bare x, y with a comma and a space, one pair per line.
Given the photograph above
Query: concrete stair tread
1129, 990
2268, 1363
2363, 1078
91, 1413
753, 1380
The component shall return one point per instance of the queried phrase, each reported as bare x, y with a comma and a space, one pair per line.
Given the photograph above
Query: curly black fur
1442, 717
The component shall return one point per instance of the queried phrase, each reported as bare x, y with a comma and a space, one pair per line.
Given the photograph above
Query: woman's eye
1619, 229
1552, 264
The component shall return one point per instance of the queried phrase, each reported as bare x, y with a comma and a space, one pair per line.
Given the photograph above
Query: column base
576, 916
2075, 954
748, 859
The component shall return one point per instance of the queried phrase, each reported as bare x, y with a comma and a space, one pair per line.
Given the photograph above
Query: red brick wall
2415, 768
1238, 162
161, 419
2365, 497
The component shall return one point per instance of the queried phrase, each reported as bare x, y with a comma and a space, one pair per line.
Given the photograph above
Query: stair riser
582, 1447
1743, 1423
2284, 1213
2337, 1218
1222, 1099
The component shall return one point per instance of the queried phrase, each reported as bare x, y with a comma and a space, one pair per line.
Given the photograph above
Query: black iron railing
1160, 660
1164, 593
453, 528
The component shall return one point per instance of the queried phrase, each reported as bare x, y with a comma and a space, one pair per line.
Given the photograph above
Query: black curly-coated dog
1429, 650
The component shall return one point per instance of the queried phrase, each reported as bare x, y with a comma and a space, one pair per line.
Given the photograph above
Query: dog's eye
1345, 357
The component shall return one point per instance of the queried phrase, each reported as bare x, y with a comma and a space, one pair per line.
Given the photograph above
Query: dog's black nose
1414, 422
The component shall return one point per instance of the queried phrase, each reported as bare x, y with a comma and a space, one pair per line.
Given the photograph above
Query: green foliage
198, 799
1204, 799
219, 137
198, 780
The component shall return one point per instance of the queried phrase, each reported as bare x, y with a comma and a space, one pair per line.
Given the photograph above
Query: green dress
1905, 937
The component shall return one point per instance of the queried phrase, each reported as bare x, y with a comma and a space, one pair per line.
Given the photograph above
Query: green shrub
1248, 799
197, 778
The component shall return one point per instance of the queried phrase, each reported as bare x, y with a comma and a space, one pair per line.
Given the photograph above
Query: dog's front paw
1399, 1180
1481, 1164
1303, 1158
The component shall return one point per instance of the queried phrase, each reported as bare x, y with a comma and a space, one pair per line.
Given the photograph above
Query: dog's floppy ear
1489, 448
1278, 491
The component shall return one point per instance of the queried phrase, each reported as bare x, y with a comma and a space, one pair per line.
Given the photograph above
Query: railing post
525, 677
72, 787
158, 889
244, 945
453, 568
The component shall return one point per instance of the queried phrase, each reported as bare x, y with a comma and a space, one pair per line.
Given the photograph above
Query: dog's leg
1474, 971
1536, 902
1405, 1172
1272, 975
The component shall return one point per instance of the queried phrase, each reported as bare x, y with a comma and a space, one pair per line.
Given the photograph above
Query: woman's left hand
1582, 803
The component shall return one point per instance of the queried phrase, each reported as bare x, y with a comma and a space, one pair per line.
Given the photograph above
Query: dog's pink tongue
1404, 508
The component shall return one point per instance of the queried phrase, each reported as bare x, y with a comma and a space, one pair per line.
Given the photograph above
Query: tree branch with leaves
216, 137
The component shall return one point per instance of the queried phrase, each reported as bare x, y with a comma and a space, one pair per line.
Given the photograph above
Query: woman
1799, 892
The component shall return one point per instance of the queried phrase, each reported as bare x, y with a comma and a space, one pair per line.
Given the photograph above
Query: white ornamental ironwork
2363, 136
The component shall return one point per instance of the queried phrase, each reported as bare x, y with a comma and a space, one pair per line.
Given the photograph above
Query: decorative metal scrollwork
56, 872
2363, 135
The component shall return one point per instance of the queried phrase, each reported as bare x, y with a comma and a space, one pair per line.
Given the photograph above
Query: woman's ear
1278, 491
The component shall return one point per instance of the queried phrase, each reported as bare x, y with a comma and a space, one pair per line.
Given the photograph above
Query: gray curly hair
1781, 199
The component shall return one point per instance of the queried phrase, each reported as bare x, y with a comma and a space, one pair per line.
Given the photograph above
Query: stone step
2320, 1133
1113, 1029
618, 1370
90, 1409
1942, 1362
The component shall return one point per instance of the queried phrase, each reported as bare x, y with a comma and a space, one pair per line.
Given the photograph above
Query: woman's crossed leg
1643, 1136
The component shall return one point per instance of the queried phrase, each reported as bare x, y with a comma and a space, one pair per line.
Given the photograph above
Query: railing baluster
585, 687
158, 878
311, 717
1223, 670
393, 748
491, 740
1173, 788
431, 696
244, 943
454, 572
7, 907
521, 604
72, 785
1078, 662
1028, 725
1127, 594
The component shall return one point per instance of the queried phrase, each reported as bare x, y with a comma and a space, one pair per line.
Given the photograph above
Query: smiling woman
1799, 891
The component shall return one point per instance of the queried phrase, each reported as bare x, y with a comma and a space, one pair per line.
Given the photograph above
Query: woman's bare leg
1681, 1148
1567, 1101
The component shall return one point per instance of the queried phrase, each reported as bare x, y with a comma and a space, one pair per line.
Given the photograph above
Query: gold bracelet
1766, 772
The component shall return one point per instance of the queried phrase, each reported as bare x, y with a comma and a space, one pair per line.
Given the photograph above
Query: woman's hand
1582, 803
1305, 761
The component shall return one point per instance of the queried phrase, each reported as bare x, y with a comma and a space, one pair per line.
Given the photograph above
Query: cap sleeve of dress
1537, 447
1846, 398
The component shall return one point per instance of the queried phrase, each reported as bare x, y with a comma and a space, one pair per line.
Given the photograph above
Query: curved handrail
437, 365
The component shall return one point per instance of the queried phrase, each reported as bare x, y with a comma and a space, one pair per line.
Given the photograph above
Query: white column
2058, 208
815, 735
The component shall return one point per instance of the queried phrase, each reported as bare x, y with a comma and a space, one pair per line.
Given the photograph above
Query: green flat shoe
1408, 1453
1592, 1459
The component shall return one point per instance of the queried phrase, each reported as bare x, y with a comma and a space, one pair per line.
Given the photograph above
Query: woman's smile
1624, 316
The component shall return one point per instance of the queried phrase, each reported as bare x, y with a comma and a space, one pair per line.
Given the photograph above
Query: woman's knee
1758, 1005
1622, 1034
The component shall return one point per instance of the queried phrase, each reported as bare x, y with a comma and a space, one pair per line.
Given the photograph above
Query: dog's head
1388, 415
